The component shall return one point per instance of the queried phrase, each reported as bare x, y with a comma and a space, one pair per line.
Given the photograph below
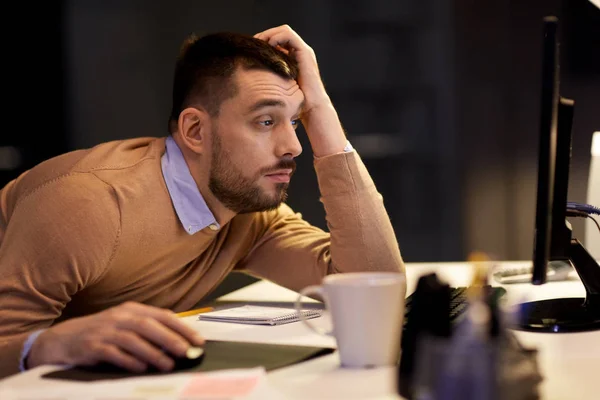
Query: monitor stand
568, 314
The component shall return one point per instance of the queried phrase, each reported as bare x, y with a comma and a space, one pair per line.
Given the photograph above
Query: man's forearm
362, 236
324, 130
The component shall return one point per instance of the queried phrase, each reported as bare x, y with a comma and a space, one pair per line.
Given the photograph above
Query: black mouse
191, 359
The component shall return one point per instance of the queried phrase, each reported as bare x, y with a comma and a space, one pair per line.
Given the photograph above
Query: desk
569, 362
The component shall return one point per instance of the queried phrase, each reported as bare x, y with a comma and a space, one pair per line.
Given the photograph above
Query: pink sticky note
219, 387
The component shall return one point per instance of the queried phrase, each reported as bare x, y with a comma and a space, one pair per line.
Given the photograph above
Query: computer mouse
191, 359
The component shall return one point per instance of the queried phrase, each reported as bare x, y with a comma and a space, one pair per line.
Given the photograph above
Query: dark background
441, 98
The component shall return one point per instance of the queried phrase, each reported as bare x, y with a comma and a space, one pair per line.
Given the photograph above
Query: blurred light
10, 158
596, 144
378, 145
596, 3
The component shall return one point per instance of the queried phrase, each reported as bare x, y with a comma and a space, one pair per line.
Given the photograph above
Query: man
99, 247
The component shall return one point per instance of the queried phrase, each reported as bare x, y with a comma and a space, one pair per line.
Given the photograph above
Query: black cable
577, 213
582, 214
596, 222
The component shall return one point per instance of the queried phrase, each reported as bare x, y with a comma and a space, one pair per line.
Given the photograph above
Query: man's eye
267, 122
295, 123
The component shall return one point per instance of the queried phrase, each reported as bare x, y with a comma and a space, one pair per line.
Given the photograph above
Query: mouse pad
218, 355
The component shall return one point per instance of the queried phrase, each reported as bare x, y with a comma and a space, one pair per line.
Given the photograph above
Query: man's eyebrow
266, 103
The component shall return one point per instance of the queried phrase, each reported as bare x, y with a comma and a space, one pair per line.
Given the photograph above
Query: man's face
254, 142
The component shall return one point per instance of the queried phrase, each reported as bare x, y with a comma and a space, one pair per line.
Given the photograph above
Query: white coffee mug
367, 313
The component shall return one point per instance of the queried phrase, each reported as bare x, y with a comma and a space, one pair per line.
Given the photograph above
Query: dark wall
33, 87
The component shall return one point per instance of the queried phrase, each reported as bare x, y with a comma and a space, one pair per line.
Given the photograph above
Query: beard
239, 193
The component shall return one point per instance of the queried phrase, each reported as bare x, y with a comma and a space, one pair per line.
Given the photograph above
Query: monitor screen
547, 150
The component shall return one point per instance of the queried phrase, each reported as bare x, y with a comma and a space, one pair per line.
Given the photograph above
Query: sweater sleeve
295, 254
59, 239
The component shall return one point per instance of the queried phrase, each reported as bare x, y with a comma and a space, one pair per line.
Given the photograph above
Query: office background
440, 97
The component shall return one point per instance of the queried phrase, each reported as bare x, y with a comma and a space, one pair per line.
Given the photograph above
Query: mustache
282, 164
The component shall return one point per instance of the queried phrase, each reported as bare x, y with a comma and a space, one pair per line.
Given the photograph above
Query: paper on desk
247, 384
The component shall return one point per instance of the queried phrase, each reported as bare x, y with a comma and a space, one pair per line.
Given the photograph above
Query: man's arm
295, 254
292, 252
59, 240
56, 243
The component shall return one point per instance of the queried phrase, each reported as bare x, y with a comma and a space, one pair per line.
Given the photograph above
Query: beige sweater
94, 228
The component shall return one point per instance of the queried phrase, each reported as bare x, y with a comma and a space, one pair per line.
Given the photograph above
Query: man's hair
205, 66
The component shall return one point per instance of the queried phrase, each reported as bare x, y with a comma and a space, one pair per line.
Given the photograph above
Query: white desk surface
569, 362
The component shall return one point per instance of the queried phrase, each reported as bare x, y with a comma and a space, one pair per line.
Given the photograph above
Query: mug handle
315, 289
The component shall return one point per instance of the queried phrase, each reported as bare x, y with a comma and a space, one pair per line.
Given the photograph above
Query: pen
194, 312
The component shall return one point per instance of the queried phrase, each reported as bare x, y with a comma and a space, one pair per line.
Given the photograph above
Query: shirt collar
189, 204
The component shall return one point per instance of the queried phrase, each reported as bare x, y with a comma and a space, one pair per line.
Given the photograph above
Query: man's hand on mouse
130, 336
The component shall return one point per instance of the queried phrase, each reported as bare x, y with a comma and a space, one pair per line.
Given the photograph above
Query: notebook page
258, 315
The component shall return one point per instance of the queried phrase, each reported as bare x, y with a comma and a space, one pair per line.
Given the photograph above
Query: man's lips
280, 176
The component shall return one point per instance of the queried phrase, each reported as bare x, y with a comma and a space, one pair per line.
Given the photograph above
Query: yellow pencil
194, 312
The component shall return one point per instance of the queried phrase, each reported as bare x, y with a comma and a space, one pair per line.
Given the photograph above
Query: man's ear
194, 129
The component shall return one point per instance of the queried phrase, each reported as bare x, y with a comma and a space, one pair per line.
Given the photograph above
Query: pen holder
445, 370
474, 357
498, 369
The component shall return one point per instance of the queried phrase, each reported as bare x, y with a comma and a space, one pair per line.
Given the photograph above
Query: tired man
100, 247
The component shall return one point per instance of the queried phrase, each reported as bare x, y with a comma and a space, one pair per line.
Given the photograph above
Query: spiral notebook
258, 315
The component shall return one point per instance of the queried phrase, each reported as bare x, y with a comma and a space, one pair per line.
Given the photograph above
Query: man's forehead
257, 82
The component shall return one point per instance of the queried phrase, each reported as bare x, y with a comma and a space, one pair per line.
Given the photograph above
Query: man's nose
288, 143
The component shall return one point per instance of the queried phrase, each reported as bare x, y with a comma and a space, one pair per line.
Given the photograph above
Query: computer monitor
553, 239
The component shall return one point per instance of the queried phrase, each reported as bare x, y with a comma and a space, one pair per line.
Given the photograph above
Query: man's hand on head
319, 117
286, 40
132, 336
